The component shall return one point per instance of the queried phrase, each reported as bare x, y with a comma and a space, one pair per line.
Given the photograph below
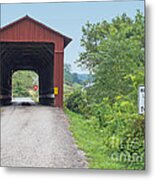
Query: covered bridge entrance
27, 44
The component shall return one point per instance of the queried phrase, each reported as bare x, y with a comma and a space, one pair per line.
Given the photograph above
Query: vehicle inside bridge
34, 56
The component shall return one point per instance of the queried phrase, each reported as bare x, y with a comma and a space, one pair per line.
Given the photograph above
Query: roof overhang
67, 40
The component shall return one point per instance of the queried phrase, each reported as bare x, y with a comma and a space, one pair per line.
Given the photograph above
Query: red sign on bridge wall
35, 88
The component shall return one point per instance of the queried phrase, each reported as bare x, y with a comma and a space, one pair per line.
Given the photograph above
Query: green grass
91, 142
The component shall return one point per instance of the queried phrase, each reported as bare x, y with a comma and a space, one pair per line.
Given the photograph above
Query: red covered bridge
27, 44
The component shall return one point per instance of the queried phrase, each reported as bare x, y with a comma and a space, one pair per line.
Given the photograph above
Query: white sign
141, 100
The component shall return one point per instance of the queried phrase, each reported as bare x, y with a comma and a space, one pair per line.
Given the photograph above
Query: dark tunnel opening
37, 57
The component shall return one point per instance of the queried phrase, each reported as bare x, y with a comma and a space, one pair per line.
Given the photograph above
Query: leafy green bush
75, 102
110, 147
118, 124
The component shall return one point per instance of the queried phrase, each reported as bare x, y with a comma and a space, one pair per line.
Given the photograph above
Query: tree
114, 52
67, 74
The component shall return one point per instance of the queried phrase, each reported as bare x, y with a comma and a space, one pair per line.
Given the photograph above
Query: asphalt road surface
38, 136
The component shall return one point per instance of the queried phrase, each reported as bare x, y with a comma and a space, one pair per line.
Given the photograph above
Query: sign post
141, 99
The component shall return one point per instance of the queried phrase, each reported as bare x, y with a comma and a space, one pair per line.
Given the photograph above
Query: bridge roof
67, 40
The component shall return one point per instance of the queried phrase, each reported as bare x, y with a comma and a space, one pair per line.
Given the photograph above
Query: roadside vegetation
104, 117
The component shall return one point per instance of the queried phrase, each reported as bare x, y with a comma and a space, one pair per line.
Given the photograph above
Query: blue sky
68, 18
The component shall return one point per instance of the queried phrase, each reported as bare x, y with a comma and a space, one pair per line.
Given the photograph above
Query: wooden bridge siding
36, 33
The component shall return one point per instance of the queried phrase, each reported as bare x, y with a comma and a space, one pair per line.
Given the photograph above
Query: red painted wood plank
27, 29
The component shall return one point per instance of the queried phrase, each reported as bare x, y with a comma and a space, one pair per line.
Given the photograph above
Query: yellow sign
56, 91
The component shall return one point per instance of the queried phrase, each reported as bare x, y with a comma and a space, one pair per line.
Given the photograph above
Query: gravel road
38, 136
